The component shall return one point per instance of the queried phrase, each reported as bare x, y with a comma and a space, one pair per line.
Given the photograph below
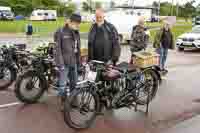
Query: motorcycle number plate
91, 76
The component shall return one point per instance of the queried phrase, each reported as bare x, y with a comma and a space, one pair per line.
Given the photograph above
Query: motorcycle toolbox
20, 46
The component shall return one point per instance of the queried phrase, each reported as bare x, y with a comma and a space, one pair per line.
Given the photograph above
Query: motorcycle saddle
124, 66
111, 74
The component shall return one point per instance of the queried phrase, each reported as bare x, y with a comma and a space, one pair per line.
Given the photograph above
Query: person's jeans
67, 74
163, 52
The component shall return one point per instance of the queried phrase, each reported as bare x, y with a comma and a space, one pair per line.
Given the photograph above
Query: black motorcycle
129, 87
12, 61
42, 74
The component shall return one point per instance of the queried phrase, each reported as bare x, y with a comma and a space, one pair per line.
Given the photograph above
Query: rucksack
138, 34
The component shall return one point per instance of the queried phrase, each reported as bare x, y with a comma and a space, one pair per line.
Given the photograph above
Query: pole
177, 9
90, 3
159, 9
133, 3
172, 8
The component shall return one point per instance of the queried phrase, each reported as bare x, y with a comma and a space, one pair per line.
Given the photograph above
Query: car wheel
180, 49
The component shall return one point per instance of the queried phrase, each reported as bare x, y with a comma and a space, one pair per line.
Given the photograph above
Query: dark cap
76, 17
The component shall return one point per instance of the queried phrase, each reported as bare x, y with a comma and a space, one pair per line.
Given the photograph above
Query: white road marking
9, 105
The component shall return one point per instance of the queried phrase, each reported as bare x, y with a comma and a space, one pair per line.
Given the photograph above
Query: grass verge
40, 27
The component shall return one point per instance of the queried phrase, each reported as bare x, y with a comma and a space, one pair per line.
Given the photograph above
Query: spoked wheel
148, 90
81, 109
81, 75
30, 87
7, 77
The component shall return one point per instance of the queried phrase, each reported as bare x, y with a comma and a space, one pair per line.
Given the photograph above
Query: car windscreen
7, 12
197, 18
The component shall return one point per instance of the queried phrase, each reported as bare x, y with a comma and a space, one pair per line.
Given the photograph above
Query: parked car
6, 13
189, 40
196, 21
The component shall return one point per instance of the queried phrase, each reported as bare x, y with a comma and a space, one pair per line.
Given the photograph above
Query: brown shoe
61, 103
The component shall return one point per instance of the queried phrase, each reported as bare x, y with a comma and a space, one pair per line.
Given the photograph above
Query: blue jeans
67, 74
163, 52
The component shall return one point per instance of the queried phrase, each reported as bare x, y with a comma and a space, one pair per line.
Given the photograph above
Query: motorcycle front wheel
30, 87
80, 110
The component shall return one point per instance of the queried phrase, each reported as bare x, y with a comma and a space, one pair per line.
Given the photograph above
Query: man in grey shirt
67, 53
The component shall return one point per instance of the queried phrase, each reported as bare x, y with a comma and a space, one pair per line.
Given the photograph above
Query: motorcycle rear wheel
148, 93
9, 71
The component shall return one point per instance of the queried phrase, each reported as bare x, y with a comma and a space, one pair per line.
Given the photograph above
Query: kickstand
148, 101
147, 109
136, 107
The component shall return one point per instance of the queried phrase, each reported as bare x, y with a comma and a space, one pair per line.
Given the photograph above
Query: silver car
189, 40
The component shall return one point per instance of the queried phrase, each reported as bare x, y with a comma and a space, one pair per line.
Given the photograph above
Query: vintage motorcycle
13, 60
110, 88
42, 73
41, 76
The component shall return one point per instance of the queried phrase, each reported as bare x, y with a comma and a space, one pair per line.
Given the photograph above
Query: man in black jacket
67, 52
103, 40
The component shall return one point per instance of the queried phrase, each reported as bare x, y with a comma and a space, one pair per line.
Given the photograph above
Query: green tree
112, 4
189, 9
4, 3
86, 6
155, 4
198, 9
69, 9
25, 7
165, 8
98, 5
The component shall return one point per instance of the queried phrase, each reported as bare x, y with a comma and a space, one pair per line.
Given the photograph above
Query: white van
6, 13
124, 20
88, 17
43, 15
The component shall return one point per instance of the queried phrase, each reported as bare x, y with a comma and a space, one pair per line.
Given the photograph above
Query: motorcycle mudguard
157, 70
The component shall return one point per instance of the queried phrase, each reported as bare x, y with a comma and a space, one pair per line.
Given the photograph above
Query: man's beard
99, 24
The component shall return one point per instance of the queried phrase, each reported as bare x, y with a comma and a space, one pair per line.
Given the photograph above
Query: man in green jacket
164, 41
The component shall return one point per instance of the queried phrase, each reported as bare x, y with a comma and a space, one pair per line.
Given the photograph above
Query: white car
189, 40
